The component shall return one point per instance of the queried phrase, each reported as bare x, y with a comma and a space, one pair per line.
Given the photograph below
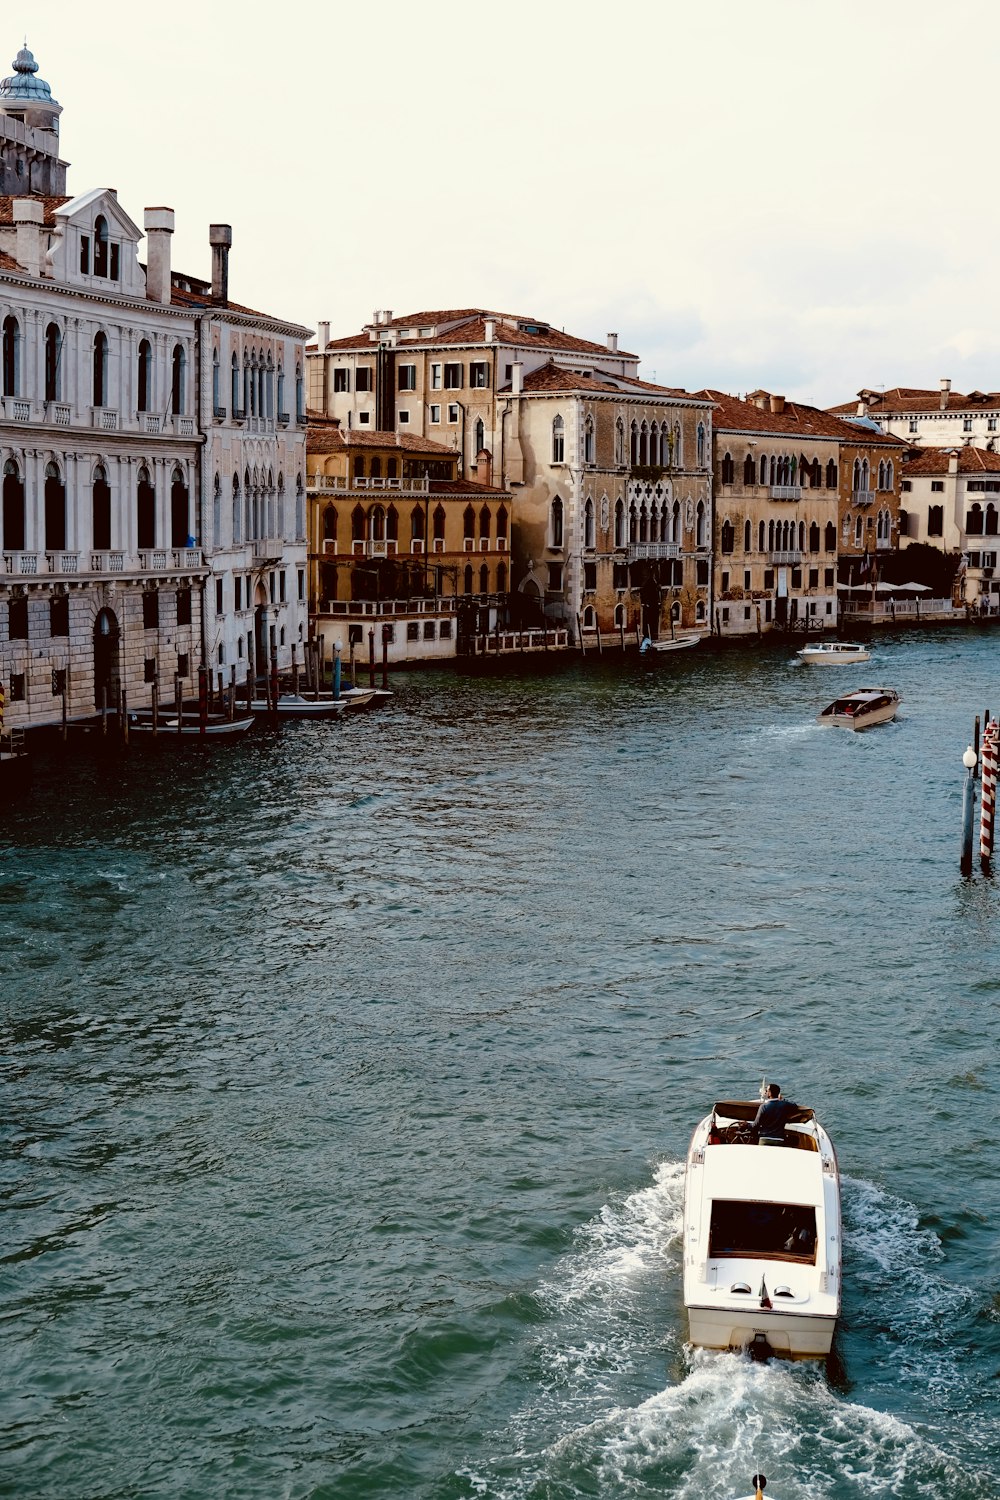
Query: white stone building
940, 418
125, 558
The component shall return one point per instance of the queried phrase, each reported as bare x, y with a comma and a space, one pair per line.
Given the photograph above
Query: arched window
747, 536
236, 510
771, 538
701, 445
760, 537
749, 470
802, 535
235, 393
502, 523
468, 523
179, 527
300, 410
282, 414
557, 522
281, 508
216, 383
11, 356
728, 469
814, 537
816, 474
700, 525
100, 369
858, 531
831, 475
989, 525
417, 523
144, 377
558, 441
883, 525
250, 384
619, 524
145, 510
974, 520
376, 524
100, 246
588, 523
763, 468
675, 522
357, 524
375, 471
501, 578
100, 519
619, 441
55, 510
300, 509
478, 437
890, 474
177, 380
727, 537
438, 519
13, 507
392, 524
677, 446
643, 444
484, 523
634, 444
830, 537
484, 579
467, 580
217, 512
633, 523
53, 351
620, 615
856, 485
588, 441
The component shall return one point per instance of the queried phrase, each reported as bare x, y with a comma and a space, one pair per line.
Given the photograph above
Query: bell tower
29, 134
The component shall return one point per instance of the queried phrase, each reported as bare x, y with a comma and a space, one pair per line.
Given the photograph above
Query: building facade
951, 501
931, 419
117, 567
612, 474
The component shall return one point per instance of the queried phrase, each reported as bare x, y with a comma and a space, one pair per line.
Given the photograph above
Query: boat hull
190, 728
833, 656
788, 1335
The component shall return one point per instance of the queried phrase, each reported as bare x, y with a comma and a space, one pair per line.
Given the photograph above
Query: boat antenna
763, 1087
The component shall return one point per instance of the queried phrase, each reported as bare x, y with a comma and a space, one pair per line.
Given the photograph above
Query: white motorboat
834, 653
762, 1239
295, 706
669, 643
188, 726
862, 708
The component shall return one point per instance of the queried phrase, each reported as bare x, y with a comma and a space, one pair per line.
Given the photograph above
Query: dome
23, 88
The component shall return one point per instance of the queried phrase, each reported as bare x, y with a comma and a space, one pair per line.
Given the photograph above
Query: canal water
349, 1073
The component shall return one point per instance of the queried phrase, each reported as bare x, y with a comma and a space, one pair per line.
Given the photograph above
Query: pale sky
785, 194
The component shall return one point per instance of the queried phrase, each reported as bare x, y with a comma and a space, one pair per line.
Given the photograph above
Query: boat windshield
771, 1231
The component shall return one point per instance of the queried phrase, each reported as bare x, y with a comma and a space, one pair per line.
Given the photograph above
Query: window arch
144, 377
558, 440
700, 525
237, 512
619, 524
11, 356
974, 520
814, 537
478, 437
619, 441
831, 475
760, 537
830, 537
728, 469
417, 523
749, 470
216, 383
145, 510
883, 525
747, 536
100, 369
858, 531
392, 524
55, 509
100, 246
438, 520
53, 353
235, 382
557, 522
358, 524
727, 539
501, 578
502, 523
100, 509
588, 440
484, 523
179, 520
701, 445
467, 579
468, 523
633, 441
588, 523
178, 373
217, 511
376, 523
484, 579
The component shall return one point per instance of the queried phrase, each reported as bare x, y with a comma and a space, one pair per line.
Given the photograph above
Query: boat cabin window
775, 1231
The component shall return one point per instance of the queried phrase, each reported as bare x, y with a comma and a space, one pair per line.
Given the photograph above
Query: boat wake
596, 1419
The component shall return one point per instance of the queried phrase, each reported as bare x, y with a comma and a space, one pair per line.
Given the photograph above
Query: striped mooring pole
990, 749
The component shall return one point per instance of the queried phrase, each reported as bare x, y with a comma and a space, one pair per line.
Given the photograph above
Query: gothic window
990, 524
11, 356
763, 468
830, 537
100, 369
468, 523
831, 475
392, 524
417, 523
501, 578
701, 530
376, 524
974, 520
357, 524
484, 579
236, 510
177, 373
728, 537
558, 441
100, 528
53, 350
747, 536
300, 410
633, 523
701, 445
55, 510
145, 509
935, 520
728, 469
619, 524
217, 512
588, 523
484, 523
236, 386
502, 523
678, 446
144, 377
814, 537
179, 530
760, 537
643, 444
858, 531
634, 444
101, 246
216, 384
557, 522
467, 580
643, 523
588, 441
439, 520
619, 441
749, 469
883, 526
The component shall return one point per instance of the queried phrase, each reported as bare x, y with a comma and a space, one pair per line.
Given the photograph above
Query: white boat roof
763, 1174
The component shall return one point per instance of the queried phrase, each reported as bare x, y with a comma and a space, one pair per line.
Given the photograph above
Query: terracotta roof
8, 263
471, 329
734, 415
902, 399
50, 205
553, 377
936, 461
466, 487
324, 437
203, 299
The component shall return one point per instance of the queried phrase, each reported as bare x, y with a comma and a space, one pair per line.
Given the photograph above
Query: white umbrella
914, 588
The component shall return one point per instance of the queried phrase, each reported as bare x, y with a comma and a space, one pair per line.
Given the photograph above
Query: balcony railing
157, 560
368, 482
639, 551
786, 492
862, 497
63, 562
783, 559
58, 414
104, 418
107, 562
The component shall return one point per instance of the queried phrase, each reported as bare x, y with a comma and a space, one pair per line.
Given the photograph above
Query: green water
349, 1072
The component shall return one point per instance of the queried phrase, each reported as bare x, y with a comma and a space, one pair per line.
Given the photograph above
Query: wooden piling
579, 631
154, 700
295, 673
202, 698
385, 656
273, 700
123, 710
371, 656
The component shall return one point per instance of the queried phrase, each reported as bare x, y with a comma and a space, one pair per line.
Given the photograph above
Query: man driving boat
772, 1117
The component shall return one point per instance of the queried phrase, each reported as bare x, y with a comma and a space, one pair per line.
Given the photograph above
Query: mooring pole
988, 797
336, 668
969, 760
371, 656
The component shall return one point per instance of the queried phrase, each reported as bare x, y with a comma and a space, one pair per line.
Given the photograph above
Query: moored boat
295, 706
669, 643
833, 653
862, 708
762, 1239
189, 726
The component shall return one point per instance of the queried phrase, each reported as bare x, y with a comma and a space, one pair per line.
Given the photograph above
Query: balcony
786, 492
103, 418
219, 413
16, 410
21, 564
283, 419
58, 414
321, 482
157, 560
785, 559
107, 562
162, 559
385, 548
862, 497
62, 562
642, 551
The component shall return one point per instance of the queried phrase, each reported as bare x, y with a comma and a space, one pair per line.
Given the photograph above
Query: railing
62, 562
107, 562
159, 559
862, 497
104, 418
149, 422
283, 419
367, 482
640, 550
883, 544
219, 413
18, 411
786, 492
60, 415
20, 562
784, 558
395, 607
266, 552
239, 415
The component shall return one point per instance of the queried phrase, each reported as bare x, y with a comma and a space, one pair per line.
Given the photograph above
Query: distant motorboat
187, 726
862, 708
762, 1237
670, 643
833, 653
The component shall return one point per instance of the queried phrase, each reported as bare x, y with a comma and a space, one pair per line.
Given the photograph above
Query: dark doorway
107, 672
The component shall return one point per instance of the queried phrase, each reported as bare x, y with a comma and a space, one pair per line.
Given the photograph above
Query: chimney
945, 388
777, 405
220, 237
613, 343
29, 251
491, 329
159, 226
759, 399
952, 463
324, 334
862, 410
516, 371
484, 466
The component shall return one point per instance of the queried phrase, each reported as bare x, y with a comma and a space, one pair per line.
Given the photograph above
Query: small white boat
862, 708
216, 726
762, 1239
834, 653
759, 1482
295, 706
669, 643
